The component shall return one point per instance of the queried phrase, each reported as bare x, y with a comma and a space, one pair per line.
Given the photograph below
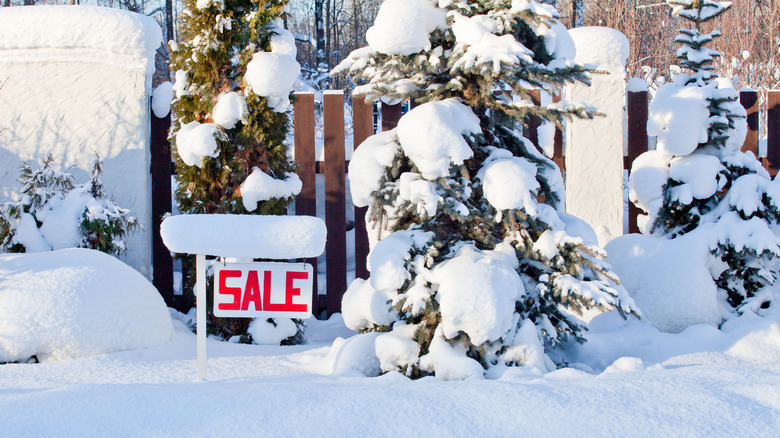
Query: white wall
80, 88
594, 148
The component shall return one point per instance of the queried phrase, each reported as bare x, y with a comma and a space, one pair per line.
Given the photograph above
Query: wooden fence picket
749, 100
306, 202
637, 112
773, 131
335, 206
362, 128
391, 114
558, 142
160, 169
534, 123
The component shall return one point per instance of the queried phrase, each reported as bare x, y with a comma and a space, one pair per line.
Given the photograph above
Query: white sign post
248, 290
200, 313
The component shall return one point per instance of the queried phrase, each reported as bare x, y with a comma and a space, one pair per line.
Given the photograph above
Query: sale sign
263, 290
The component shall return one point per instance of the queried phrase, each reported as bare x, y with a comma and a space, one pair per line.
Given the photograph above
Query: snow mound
265, 332
605, 47
402, 26
90, 27
363, 306
230, 109
625, 364
397, 348
484, 46
678, 116
369, 164
477, 293
355, 356
196, 141
260, 186
273, 74
669, 280
509, 184
74, 303
450, 362
636, 85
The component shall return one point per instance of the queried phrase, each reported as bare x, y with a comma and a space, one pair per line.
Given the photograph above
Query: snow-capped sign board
263, 290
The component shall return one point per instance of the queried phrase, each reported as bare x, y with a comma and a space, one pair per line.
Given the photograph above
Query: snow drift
76, 302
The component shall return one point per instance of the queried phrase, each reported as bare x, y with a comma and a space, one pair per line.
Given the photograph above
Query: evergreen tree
235, 69
478, 265
54, 213
698, 181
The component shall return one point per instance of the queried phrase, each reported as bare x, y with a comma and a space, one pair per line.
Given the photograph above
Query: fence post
773, 131
362, 128
636, 108
558, 142
162, 262
306, 201
391, 114
749, 100
335, 214
534, 122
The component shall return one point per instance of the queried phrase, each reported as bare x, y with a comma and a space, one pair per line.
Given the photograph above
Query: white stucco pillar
594, 148
76, 82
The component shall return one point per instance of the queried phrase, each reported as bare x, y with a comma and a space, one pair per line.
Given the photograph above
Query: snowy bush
76, 302
477, 265
697, 182
54, 213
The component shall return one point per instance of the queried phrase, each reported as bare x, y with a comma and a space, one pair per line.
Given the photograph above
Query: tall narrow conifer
234, 72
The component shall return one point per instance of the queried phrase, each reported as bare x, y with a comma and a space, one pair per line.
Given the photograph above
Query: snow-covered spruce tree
478, 265
698, 181
54, 213
234, 70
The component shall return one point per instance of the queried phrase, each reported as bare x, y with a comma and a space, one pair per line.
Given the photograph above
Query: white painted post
595, 148
200, 304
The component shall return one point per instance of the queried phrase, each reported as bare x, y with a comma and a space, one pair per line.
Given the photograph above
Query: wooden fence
334, 169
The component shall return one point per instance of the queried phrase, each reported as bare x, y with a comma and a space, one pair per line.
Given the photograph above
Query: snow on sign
267, 290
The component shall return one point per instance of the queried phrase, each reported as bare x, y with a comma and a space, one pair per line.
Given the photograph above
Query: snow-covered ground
639, 382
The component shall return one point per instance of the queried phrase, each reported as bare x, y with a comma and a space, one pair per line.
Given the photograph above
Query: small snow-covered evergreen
477, 264
698, 180
234, 70
55, 213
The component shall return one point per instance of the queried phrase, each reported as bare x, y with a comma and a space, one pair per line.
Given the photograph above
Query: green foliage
103, 225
